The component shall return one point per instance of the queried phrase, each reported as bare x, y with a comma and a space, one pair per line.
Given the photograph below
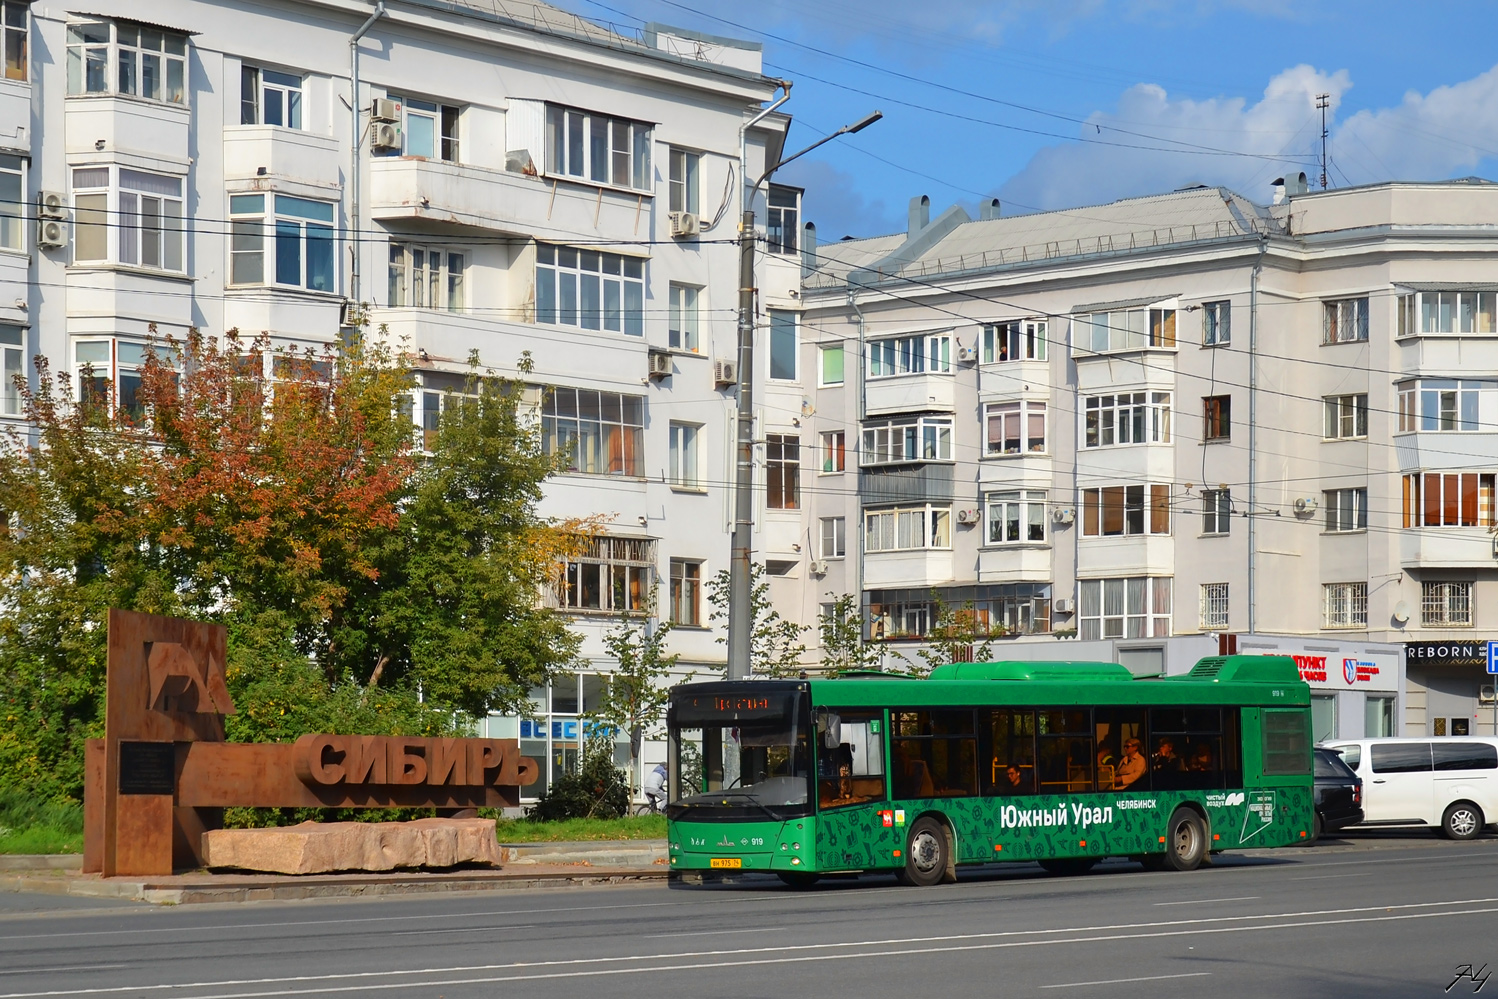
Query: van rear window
1465, 755
1401, 757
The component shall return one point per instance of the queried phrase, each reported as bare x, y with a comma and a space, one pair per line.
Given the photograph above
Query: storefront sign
1330, 671
1465, 653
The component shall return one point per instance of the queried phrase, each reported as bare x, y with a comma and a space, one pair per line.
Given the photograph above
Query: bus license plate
727, 862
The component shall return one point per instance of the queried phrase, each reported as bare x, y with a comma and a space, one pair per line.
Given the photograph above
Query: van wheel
1185, 840
927, 854
1462, 820
1069, 866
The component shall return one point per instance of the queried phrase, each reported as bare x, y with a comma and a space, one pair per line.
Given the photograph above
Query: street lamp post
740, 621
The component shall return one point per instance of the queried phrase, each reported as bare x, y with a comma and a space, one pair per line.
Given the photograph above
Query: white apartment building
501, 177
1149, 430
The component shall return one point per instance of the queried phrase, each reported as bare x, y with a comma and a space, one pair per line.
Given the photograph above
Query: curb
41, 861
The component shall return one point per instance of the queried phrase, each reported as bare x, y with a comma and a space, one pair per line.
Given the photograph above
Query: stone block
322, 847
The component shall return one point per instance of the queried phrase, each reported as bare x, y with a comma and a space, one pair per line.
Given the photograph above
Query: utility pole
1323, 101
740, 620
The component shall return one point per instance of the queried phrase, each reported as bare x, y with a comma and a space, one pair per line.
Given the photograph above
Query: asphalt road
1371, 916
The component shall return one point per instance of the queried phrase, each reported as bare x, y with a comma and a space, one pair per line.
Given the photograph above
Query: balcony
282, 153
904, 569
1015, 564
1435, 452
1131, 556
1447, 548
910, 394
927, 483
126, 124
15, 111
1006, 382
1448, 355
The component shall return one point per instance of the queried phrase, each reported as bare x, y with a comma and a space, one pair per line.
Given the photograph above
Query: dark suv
1339, 794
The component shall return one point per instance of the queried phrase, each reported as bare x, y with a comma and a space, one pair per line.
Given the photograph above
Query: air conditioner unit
385, 109
1487, 694
51, 205
350, 314
969, 354
683, 224
51, 233
1062, 605
969, 515
819, 567
1306, 504
1063, 515
725, 373
660, 364
384, 135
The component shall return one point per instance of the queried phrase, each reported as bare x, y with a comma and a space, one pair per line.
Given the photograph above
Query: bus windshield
737, 759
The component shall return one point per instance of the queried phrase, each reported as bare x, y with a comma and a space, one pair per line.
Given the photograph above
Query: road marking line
1204, 901
1332, 877
714, 933
1120, 981
1193, 926
71, 967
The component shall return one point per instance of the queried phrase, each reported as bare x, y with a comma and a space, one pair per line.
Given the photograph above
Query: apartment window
12, 367
1346, 416
1446, 605
834, 451
907, 529
1217, 511
1009, 609
834, 537
1017, 341
907, 439
685, 469
1447, 312
782, 219
269, 97
1127, 418
1017, 517
1016, 427
1132, 607
15, 25
783, 471
427, 277
1345, 321
12, 199
1214, 610
590, 290
147, 62
1217, 326
300, 243
1445, 405
1126, 329
683, 328
1217, 417
832, 364
686, 592
428, 129
681, 189
1117, 511
1344, 605
108, 370
442, 393
148, 207
910, 355
613, 576
1346, 510
598, 433
598, 148
783, 345
1449, 499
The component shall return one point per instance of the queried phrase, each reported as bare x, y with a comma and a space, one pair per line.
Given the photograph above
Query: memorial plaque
148, 767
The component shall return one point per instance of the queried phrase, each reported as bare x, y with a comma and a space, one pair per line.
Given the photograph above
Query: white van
1450, 782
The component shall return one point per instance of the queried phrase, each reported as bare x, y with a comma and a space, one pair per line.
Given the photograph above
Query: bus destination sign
721, 708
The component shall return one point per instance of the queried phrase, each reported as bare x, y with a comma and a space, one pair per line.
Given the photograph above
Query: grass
577, 830
29, 826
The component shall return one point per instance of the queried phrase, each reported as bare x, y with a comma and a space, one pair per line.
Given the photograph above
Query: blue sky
1074, 102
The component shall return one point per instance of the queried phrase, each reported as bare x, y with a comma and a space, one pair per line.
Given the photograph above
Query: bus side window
1012, 769
1065, 757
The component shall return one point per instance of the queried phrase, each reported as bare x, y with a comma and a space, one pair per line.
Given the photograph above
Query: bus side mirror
832, 734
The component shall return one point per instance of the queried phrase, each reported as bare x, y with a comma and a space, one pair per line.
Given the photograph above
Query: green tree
775, 646
634, 699
956, 635
840, 627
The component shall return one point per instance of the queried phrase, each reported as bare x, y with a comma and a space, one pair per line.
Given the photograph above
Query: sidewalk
526, 865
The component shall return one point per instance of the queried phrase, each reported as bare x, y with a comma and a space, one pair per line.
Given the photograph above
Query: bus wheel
1185, 840
926, 854
797, 879
1462, 820
1069, 866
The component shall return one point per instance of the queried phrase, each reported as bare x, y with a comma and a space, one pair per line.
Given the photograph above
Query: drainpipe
857, 444
356, 140
1253, 428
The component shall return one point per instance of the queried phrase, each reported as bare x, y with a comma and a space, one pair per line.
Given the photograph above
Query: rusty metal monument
163, 774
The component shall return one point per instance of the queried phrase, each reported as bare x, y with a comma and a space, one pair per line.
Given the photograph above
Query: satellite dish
1401, 612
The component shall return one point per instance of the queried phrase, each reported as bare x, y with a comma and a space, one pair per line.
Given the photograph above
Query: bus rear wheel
927, 854
1185, 841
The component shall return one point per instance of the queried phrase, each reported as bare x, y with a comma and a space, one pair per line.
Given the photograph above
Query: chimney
1296, 185
808, 249
988, 208
920, 213
1278, 187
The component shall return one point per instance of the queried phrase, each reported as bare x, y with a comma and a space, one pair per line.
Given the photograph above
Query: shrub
596, 791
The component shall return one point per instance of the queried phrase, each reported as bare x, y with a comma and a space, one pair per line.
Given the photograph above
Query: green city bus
1061, 763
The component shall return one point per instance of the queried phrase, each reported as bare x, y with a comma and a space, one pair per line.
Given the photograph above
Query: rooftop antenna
1323, 101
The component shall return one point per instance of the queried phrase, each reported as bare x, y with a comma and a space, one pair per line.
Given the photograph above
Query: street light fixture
739, 623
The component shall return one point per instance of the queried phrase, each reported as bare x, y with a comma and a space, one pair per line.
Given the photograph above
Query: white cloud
1440, 134
1125, 157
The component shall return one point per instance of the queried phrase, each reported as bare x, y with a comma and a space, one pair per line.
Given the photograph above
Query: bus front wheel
1185, 841
927, 854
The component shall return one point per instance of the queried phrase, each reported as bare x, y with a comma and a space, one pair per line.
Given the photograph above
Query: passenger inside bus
1131, 767
1165, 757
1201, 759
1014, 781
